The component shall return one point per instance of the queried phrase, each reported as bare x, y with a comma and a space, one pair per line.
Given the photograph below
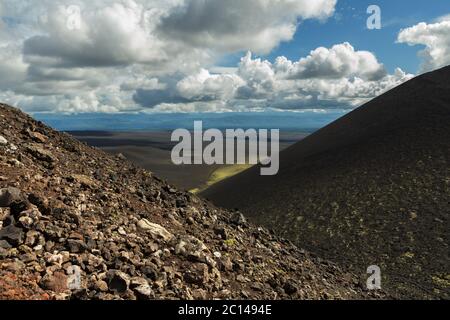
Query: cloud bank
161, 55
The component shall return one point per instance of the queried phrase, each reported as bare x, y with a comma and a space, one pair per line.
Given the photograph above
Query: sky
172, 56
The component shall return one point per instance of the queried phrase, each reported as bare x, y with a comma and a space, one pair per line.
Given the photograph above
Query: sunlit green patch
220, 174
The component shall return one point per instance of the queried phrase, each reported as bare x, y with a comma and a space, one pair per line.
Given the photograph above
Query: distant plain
152, 150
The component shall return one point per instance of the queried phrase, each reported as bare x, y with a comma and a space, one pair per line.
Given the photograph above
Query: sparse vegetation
220, 174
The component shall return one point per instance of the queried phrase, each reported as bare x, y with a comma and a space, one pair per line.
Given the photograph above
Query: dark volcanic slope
371, 188
65, 206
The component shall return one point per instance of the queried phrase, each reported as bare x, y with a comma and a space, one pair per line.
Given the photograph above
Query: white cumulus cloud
204, 85
234, 25
436, 39
339, 61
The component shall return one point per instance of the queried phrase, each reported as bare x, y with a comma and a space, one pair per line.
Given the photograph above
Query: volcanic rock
154, 229
82, 224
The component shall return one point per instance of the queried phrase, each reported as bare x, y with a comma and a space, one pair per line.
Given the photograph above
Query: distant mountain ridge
305, 121
370, 188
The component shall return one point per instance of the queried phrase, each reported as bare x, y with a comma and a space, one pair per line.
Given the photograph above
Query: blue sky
191, 56
349, 24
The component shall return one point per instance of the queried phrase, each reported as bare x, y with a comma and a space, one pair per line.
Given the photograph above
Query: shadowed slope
371, 188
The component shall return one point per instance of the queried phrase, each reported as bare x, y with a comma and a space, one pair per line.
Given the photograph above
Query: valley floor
152, 150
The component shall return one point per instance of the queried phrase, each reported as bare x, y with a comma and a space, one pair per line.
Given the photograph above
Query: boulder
5, 244
141, 288
197, 274
144, 292
38, 137
3, 141
118, 281
12, 234
40, 153
76, 246
154, 229
10, 195
290, 288
56, 282
238, 219
193, 249
101, 286
83, 180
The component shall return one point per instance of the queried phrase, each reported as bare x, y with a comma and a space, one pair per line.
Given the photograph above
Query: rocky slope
68, 209
371, 188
